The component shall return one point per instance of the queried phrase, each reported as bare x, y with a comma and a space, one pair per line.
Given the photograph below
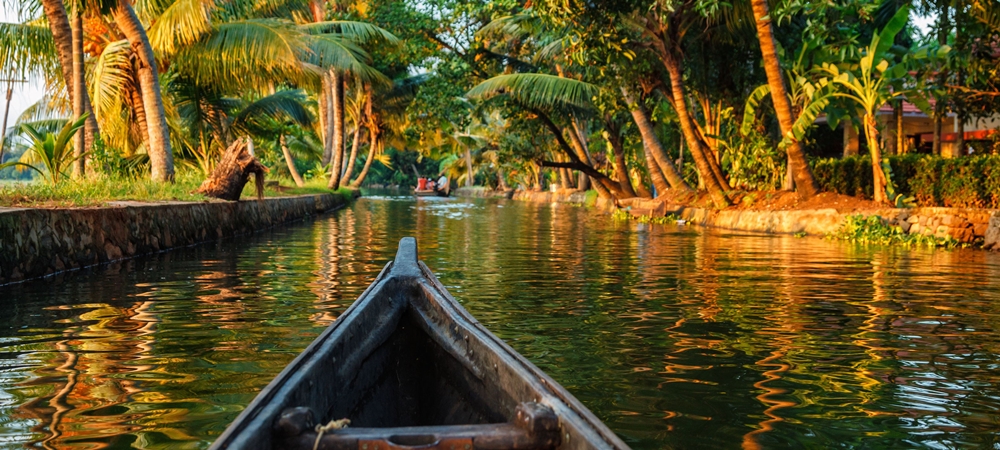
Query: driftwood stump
233, 171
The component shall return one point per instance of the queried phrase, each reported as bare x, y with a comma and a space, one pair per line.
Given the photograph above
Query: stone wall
39, 242
480, 192
963, 224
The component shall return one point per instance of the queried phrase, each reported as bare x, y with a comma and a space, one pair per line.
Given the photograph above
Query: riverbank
104, 191
35, 242
822, 217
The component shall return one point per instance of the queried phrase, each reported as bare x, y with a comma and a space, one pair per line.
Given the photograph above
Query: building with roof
918, 131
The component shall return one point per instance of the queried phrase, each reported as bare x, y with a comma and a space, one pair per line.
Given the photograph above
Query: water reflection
676, 337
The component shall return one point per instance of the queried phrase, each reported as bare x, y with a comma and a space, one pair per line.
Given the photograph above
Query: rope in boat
332, 425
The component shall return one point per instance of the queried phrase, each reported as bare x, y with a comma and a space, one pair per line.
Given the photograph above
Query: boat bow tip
405, 263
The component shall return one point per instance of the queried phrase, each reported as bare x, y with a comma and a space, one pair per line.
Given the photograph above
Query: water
674, 336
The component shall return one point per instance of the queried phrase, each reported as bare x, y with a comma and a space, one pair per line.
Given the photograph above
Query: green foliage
110, 162
624, 215
754, 163
874, 230
52, 151
967, 182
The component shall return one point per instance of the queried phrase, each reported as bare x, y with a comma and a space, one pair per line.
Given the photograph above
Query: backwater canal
676, 337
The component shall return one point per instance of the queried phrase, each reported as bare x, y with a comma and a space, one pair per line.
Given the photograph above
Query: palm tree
385, 117
662, 170
78, 91
805, 183
665, 26
161, 156
69, 48
357, 111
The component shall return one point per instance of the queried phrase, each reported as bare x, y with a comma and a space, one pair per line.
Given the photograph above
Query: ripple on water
675, 336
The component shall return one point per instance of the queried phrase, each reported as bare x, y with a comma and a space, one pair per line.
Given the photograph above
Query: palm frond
360, 32
247, 53
280, 107
46, 108
25, 50
112, 75
181, 24
515, 26
535, 90
333, 52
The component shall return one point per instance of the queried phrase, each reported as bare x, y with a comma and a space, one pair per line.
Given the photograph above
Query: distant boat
429, 193
410, 368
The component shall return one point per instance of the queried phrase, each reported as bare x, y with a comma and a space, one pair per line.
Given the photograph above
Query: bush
967, 182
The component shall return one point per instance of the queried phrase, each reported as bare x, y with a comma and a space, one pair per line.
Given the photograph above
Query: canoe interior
407, 357
410, 380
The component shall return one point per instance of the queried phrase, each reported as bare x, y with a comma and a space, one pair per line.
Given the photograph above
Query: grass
100, 191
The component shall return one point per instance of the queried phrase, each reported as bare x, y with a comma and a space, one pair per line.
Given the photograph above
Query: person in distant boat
442, 184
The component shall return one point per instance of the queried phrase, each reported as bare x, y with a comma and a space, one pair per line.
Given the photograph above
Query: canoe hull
406, 355
429, 193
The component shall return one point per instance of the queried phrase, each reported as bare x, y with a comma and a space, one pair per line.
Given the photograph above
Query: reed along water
674, 336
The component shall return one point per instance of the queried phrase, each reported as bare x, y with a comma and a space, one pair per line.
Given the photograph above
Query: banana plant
870, 83
52, 151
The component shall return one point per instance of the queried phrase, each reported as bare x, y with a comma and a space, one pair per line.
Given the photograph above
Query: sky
25, 94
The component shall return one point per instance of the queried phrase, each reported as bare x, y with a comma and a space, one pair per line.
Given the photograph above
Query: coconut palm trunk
337, 155
135, 96
660, 184
607, 186
326, 120
354, 154
470, 180
78, 90
654, 147
565, 180
62, 35
290, 161
579, 140
373, 144
161, 158
698, 151
618, 148
804, 181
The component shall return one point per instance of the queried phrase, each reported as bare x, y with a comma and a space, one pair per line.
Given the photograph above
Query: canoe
429, 193
410, 368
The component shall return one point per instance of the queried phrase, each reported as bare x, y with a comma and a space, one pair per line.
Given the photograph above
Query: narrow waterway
674, 336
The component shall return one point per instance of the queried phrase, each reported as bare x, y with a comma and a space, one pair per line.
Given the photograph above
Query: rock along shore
36, 242
966, 225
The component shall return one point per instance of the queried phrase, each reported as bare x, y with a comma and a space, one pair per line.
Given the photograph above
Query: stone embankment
36, 242
962, 224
